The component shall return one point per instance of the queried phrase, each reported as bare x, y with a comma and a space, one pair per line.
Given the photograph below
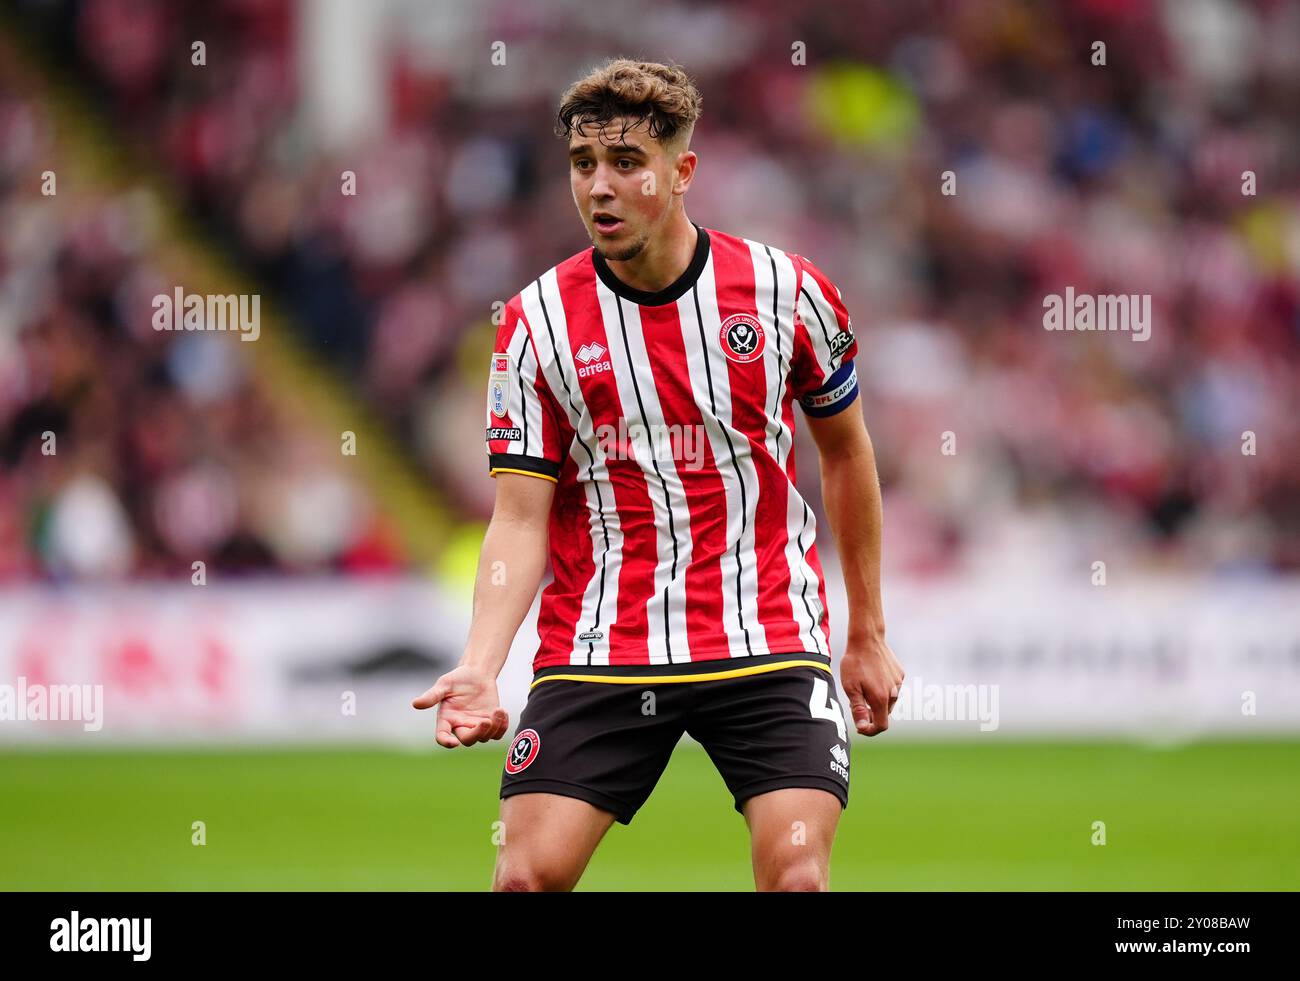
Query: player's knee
516, 876
800, 876
517, 880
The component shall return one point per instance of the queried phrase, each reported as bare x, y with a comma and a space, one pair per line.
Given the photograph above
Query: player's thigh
594, 741
774, 731
546, 841
791, 833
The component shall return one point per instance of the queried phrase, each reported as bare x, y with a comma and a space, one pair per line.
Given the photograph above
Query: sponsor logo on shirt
841, 341
742, 338
502, 432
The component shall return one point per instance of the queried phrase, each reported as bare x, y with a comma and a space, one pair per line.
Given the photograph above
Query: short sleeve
525, 426
822, 376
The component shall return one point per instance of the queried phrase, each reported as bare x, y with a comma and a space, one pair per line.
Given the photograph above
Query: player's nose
601, 188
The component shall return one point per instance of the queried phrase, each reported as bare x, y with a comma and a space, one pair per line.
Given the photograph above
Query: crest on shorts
523, 750
742, 338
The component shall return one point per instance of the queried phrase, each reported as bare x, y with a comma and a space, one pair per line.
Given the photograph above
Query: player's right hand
469, 710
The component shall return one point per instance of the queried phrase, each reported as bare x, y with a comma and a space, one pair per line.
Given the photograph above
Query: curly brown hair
635, 90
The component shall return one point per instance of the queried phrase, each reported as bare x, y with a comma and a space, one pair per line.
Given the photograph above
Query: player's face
622, 184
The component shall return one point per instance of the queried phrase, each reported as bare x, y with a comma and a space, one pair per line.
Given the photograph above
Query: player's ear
685, 171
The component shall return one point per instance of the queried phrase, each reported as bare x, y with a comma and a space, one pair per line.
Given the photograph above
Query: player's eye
626, 160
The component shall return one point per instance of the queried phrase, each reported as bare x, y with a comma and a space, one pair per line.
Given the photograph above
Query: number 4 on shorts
823, 706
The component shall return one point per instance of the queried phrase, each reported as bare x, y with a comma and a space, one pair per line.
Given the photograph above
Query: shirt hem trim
643, 679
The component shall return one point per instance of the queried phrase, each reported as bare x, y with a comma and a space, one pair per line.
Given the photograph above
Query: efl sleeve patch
836, 395
527, 431
499, 384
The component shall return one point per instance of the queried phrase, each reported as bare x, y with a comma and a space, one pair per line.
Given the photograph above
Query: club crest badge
742, 338
523, 750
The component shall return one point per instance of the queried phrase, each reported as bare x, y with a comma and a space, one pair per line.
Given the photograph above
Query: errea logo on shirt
590, 356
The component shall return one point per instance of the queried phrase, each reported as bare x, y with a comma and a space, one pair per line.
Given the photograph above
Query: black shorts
608, 742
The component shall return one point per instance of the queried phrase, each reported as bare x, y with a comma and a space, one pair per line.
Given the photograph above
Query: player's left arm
870, 673
824, 378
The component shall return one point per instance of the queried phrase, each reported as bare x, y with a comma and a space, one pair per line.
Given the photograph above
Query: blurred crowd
947, 164
125, 451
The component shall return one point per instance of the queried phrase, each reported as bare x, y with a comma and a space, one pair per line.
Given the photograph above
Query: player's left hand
872, 679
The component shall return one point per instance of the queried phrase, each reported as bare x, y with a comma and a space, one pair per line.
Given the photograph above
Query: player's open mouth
607, 223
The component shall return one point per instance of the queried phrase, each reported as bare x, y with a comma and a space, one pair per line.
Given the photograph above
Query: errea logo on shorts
590, 355
840, 763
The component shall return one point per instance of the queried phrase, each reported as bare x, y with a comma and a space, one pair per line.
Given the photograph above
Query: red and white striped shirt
677, 535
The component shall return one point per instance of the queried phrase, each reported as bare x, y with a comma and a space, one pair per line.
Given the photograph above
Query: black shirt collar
670, 292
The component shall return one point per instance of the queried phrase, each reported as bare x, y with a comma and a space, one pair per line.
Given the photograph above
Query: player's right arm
526, 440
510, 569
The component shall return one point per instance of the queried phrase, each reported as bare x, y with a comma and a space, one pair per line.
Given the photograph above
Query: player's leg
791, 832
546, 842
781, 743
586, 754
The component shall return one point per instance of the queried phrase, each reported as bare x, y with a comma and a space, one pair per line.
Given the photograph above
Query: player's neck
664, 259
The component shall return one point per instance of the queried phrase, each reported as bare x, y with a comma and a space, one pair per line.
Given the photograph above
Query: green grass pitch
953, 816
